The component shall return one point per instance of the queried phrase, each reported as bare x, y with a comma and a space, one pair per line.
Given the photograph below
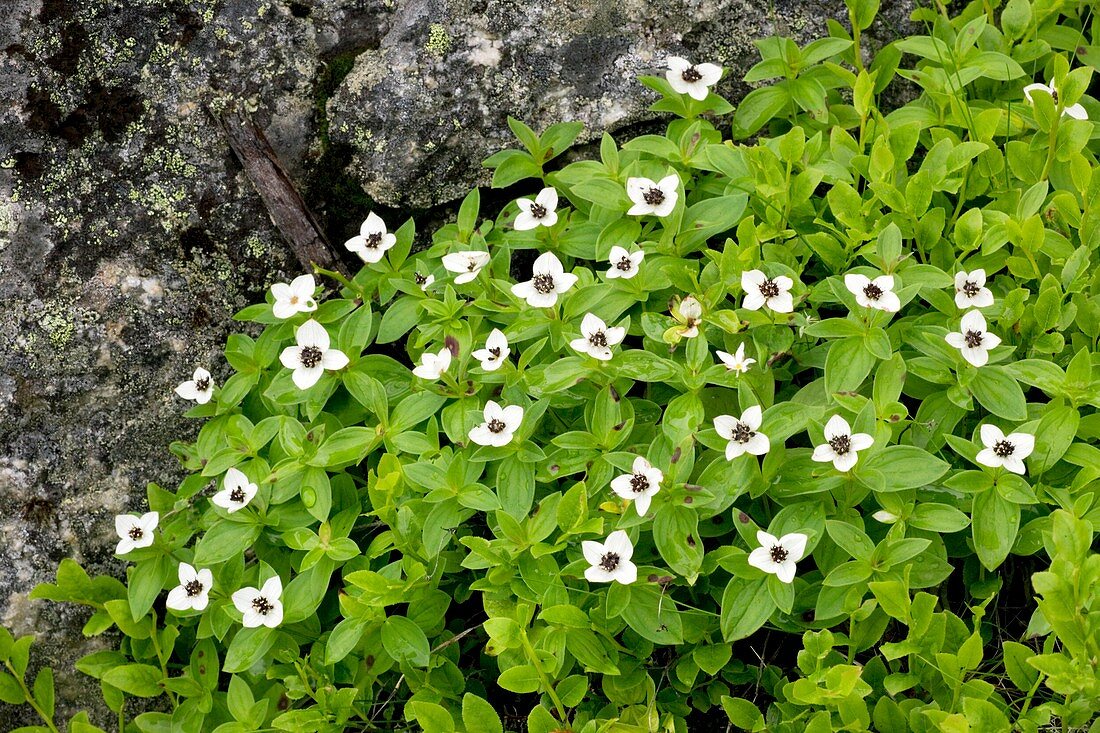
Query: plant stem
531, 655
30, 698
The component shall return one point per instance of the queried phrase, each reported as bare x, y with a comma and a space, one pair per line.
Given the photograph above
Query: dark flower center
495, 352
543, 283
1003, 448
778, 553
136, 533
471, 265
420, 279
538, 211
237, 495
970, 288
193, 588
639, 483
310, 356
599, 338
769, 289
654, 196
840, 444
262, 605
202, 384
742, 433
872, 291
373, 240
1054, 95
496, 426
973, 339
624, 264
609, 561
691, 74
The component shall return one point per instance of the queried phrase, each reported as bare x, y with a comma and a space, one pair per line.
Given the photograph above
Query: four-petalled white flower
694, 80
200, 387
262, 606
743, 434
624, 264
295, 297
970, 290
237, 491
193, 592
548, 280
495, 352
467, 264
432, 365
689, 312
312, 356
499, 426
597, 338
736, 362
760, 291
640, 485
373, 239
649, 197
973, 340
841, 445
610, 560
1076, 111
134, 531
778, 555
877, 294
1005, 451
424, 281
538, 213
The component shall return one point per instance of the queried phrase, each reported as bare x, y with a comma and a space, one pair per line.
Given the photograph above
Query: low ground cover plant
783, 420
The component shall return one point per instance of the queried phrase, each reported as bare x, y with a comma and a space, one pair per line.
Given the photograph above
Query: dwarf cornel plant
783, 420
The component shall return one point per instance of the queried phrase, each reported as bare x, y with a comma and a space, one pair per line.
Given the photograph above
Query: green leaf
405, 641
906, 467
995, 524
999, 393
247, 648
521, 679
757, 108
676, 533
10, 691
432, 718
223, 541
1053, 436
139, 680
746, 605
847, 365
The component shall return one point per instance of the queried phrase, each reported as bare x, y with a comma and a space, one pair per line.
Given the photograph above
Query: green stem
160, 658
336, 276
531, 655
1052, 139
30, 698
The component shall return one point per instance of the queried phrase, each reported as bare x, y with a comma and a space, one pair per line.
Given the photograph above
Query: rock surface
129, 233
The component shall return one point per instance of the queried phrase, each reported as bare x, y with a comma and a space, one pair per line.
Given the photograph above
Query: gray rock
129, 234
422, 111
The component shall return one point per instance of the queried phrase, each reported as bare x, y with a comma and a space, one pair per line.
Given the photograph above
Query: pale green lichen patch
439, 40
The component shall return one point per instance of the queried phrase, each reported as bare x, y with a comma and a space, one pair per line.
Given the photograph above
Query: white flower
610, 560
540, 212
694, 80
424, 281
236, 491
778, 555
624, 264
970, 290
467, 264
200, 387
312, 356
500, 423
193, 592
1076, 111
690, 313
1008, 451
548, 280
432, 365
640, 485
743, 435
760, 291
648, 197
841, 446
885, 517
737, 362
373, 239
134, 531
495, 352
877, 294
295, 298
596, 338
973, 340
261, 607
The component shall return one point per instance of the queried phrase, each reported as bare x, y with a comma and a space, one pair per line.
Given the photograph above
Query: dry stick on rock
284, 204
